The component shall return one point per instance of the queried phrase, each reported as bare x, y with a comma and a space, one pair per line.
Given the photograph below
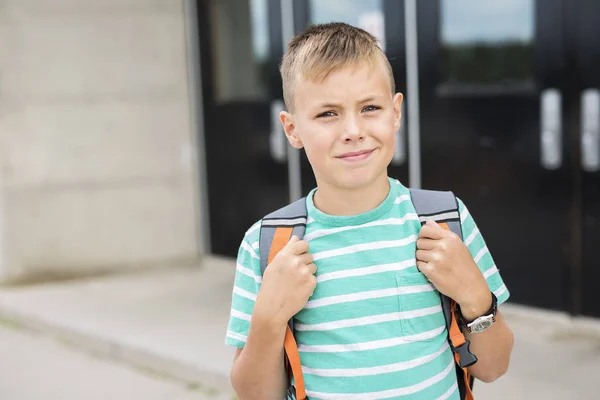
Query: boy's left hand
447, 263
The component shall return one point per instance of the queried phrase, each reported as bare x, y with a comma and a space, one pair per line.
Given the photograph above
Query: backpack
278, 227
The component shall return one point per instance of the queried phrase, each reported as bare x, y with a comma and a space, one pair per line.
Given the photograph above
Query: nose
352, 130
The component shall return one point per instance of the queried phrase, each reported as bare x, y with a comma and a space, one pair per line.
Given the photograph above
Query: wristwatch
482, 323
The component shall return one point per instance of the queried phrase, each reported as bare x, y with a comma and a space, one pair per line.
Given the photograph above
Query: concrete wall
97, 150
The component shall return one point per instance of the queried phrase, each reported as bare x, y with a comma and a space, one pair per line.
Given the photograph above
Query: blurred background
139, 140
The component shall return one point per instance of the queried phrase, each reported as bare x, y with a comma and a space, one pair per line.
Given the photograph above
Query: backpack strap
276, 230
442, 207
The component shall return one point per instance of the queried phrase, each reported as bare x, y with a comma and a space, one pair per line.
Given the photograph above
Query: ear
398, 98
289, 126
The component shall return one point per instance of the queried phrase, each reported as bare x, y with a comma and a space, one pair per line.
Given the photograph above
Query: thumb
433, 223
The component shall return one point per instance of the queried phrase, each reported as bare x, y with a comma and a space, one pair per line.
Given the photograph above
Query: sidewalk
173, 321
37, 367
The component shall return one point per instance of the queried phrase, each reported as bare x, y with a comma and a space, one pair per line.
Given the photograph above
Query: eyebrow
334, 105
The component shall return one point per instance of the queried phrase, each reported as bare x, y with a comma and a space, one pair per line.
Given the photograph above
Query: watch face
481, 324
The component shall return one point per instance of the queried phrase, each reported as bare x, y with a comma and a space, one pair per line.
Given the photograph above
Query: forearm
259, 372
492, 348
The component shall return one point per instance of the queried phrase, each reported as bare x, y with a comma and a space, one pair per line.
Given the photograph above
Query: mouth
356, 155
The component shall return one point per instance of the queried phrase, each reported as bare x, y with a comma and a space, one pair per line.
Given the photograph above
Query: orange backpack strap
276, 231
442, 207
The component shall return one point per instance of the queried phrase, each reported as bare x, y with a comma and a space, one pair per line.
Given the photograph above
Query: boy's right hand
288, 282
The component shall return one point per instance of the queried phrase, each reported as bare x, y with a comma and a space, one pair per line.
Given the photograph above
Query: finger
426, 244
424, 268
290, 244
312, 268
305, 259
430, 231
314, 285
425, 255
299, 247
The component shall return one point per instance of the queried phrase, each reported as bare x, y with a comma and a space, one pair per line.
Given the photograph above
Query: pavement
36, 367
553, 359
171, 322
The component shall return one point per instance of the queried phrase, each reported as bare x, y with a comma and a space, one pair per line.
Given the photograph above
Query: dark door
500, 87
585, 69
246, 176
385, 20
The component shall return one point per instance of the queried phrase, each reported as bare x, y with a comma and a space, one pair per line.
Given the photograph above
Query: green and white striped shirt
374, 328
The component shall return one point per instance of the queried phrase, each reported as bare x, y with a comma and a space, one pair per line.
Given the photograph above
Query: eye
326, 114
371, 108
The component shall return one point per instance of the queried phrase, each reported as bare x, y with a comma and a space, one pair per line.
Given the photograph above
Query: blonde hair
324, 48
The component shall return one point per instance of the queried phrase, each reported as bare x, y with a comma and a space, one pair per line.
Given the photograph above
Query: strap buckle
466, 358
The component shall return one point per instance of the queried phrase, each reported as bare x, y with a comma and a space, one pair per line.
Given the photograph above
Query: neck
334, 200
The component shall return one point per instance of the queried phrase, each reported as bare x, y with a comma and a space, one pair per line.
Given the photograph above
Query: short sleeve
245, 288
473, 239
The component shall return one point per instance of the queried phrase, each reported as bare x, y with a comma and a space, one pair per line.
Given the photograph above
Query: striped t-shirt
374, 328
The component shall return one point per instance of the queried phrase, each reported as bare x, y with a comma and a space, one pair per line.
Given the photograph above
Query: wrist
269, 318
476, 306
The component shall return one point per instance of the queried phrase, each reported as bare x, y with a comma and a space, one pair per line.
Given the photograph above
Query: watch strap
491, 311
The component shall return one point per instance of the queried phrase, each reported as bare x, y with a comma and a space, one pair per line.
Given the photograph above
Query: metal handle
400, 153
551, 129
277, 139
590, 130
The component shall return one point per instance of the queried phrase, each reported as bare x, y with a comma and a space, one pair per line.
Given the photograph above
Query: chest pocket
421, 315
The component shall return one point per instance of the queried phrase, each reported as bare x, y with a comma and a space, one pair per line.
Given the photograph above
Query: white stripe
464, 215
386, 394
382, 369
481, 253
450, 392
255, 245
490, 271
402, 199
439, 217
376, 344
284, 221
237, 336
384, 244
373, 294
244, 293
415, 289
472, 236
375, 269
389, 221
249, 273
371, 320
500, 291
310, 220
249, 249
240, 315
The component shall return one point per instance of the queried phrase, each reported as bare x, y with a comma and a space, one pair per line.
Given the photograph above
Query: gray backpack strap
437, 206
443, 207
291, 216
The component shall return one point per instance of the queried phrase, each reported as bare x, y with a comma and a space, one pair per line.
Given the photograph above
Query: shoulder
465, 215
253, 233
248, 250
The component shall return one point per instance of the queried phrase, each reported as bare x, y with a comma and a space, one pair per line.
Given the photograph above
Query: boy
362, 286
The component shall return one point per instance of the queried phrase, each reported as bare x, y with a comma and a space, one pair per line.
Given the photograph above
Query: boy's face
346, 124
